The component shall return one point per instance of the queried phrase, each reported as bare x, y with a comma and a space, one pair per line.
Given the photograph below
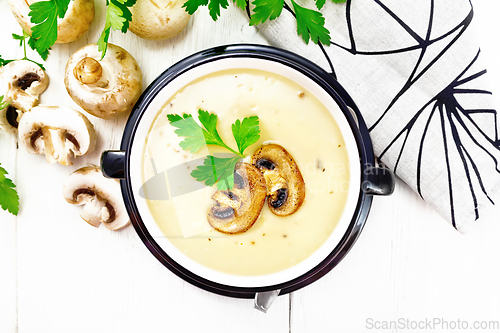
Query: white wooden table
58, 274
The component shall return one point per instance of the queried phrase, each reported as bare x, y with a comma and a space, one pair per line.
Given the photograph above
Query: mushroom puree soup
289, 116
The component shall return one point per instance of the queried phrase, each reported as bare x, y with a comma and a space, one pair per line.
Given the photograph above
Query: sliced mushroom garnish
237, 209
161, 19
59, 132
285, 186
22, 82
101, 198
104, 88
76, 21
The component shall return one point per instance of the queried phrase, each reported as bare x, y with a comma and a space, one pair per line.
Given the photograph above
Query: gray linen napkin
412, 68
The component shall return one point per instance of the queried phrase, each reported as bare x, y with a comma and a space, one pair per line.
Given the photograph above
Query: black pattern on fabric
460, 137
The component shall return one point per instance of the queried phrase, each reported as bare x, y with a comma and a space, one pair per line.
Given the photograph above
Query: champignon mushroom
75, 22
101, 198
159, 19
59, 132
237, 210
22, 82
107, 87
9, 119
285, 185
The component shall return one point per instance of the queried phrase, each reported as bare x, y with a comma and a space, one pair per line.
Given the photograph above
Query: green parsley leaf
320, 4
311, 24
19, 38
44, 14
246, 132
3, 104
214, 8
339, 1
5, 62
216, 170
242, 4
266, 10
9, 199
192, 6
197, 137
118, 17
102, 42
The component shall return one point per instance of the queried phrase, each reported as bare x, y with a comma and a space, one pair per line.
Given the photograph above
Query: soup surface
290, 116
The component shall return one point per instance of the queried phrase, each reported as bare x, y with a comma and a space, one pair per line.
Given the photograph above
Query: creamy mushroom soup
290, 116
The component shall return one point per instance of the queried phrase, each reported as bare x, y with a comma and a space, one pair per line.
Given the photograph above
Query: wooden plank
8, 222
8, 243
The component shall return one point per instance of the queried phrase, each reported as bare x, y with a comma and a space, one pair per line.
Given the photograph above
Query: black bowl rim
309, 69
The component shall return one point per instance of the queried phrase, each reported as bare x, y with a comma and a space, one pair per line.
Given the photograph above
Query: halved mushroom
237, 209
286, 190
161, 19
22, 82
75, 22
101, 198
59, 132
9, 119
104, 88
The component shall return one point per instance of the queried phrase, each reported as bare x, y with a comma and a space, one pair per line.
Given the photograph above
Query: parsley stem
25, 34
234, 151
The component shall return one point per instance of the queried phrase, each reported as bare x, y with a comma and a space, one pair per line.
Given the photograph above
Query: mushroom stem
88, 71
48, 146
94, 211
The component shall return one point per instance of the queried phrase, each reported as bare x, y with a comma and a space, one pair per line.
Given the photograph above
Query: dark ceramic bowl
368, 179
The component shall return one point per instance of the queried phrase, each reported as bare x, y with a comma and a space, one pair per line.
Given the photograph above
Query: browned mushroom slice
237, 209
286, 190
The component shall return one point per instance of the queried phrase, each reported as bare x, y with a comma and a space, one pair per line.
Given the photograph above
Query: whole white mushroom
104, 88
75, 22
159, 19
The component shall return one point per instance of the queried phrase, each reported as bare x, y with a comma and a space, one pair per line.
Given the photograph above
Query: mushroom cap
100, 196
161, 19
75, 22
286, 189
237, 209
21, 82
116, 87
59, 132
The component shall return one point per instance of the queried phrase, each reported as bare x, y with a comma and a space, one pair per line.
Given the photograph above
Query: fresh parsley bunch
215, 170
310, 23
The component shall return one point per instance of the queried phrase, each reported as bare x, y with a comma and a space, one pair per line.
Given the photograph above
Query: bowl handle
264, 300
379, 180
113, 164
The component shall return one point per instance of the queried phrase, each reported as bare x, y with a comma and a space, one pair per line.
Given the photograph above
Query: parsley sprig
215, 170
118, 17
22, 42
45, 14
